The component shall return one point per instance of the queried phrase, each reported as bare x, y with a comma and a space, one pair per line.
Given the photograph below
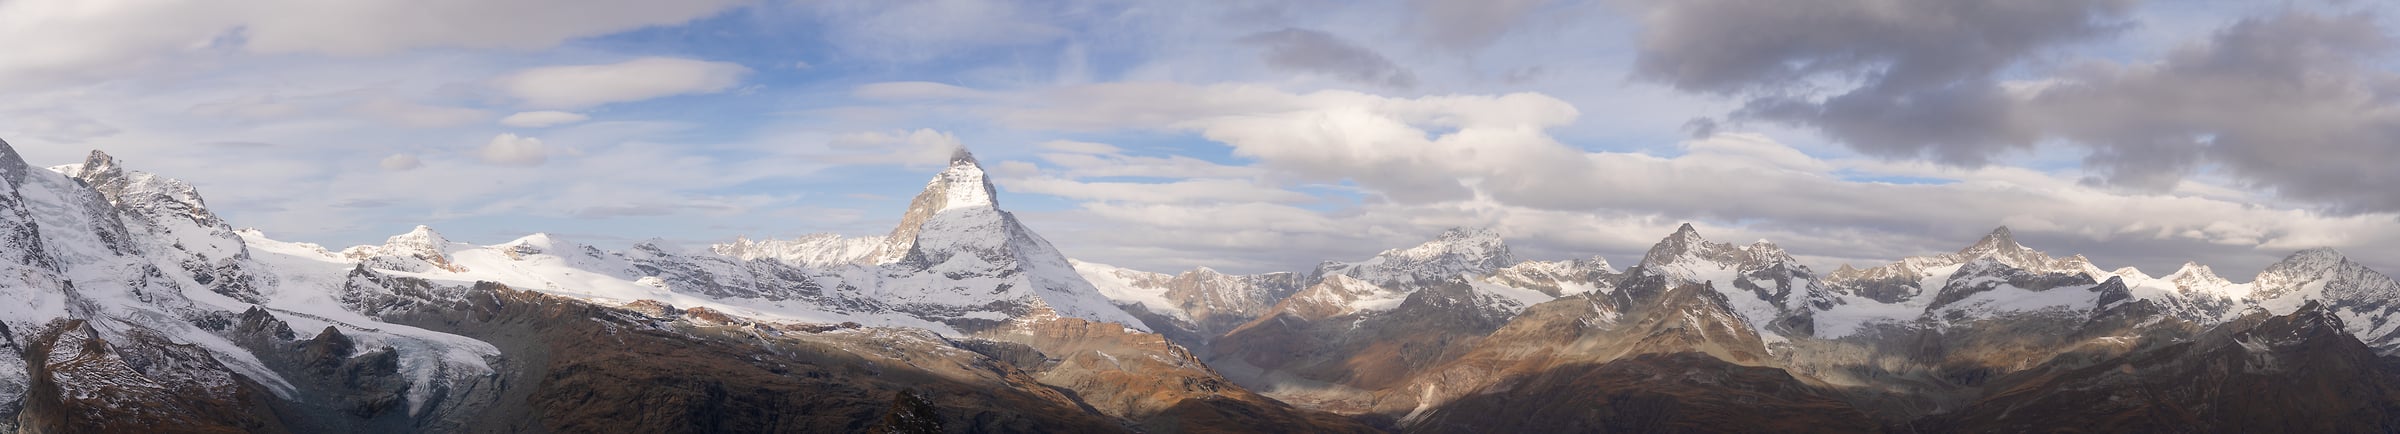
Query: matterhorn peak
962, 186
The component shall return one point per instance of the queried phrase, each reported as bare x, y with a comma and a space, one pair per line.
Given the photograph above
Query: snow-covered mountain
138, 292
1457, 252
1194, 305
140, 308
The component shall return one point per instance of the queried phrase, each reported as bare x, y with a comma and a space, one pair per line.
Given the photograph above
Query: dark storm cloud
2295, 103
1311, 51
1469, 25
1925, 68
2292, 103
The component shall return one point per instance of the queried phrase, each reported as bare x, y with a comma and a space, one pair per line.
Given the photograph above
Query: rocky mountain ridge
145, 312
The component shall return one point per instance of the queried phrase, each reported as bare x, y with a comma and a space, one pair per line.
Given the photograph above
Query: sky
1254, 136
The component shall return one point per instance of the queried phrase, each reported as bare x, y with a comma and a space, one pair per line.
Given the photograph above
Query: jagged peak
961, 186
2131, 272
1999, 240
12, 166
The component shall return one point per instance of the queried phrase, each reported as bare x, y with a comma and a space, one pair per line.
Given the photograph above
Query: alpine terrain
134, 308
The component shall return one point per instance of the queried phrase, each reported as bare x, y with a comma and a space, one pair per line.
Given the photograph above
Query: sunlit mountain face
960, 216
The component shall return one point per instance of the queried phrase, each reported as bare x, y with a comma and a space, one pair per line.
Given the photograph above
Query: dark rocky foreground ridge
146, 313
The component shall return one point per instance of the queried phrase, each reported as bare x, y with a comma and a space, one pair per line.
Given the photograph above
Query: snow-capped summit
961, 187
417, 251
2321, 274
1686, 255
813, 251
168, 219
2194, 277
958, 258
1457, 252
1768, 288
2001, 245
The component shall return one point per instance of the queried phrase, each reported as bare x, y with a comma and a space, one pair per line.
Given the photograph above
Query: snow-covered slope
1457, 252
958, 258
814, 251
958, 262
2368, 302
1769, 289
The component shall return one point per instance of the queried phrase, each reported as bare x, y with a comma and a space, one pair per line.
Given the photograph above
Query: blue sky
1245, 135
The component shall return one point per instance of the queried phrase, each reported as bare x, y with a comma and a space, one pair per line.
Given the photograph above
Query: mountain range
143, 311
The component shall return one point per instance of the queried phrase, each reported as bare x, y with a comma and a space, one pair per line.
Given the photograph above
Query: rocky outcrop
2292, 373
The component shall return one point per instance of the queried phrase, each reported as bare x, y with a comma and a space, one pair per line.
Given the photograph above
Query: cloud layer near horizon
1255, 135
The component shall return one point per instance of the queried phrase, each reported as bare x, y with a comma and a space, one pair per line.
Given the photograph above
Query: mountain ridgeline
143, 311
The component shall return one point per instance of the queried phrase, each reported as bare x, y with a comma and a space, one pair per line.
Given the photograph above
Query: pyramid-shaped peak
962, 186
1999, 239
1684, 236
421, 235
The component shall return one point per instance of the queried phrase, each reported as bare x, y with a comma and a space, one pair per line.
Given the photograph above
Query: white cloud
63, 127
85, 39
1430, 162
375, 27
402, 162
916, 30
543, 119
1192, 190
512, 150
575, 86
919, 147
915, 90
1077, 147
412, 114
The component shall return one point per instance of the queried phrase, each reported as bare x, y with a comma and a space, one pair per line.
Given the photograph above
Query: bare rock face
86, 384
2292, 373
1680, 392
579, 367
1193, 307
1144, 378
